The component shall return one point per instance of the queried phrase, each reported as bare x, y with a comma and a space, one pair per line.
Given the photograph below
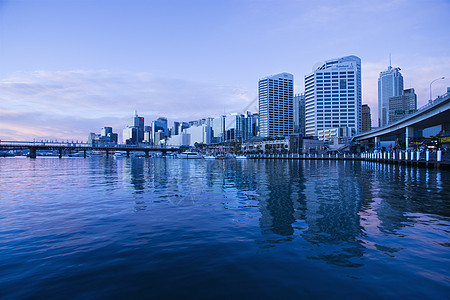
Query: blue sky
70, 67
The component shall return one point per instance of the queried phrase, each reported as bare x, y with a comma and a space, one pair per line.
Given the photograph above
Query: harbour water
262, 229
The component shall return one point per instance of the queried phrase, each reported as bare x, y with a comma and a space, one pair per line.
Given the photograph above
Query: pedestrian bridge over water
437, 112
77, 147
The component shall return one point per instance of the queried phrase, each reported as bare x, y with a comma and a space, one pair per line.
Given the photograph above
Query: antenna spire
390, 64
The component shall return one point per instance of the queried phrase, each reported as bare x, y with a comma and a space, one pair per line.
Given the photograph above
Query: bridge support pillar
377, 141
84, 154
107, 153
445, 128
409, 136
60, 153
128, 153
32, 152
146, 153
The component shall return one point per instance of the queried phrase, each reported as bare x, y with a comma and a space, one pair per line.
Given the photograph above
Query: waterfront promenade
438, 159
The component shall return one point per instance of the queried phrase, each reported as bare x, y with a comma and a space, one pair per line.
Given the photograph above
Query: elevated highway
434, 113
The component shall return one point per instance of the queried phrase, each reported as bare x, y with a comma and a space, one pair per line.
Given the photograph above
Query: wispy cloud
70, 104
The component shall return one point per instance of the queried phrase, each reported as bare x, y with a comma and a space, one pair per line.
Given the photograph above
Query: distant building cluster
330, 111
106, 137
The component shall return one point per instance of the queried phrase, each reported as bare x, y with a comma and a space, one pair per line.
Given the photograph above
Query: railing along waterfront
437, 158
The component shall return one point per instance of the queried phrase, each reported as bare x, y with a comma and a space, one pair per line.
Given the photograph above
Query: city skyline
74, 68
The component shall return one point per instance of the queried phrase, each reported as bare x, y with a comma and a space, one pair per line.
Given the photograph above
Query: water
263, 229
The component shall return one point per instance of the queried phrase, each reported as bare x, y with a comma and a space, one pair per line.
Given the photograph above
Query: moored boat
190, 155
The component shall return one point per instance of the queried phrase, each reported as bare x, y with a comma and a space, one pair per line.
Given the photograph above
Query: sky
70, 67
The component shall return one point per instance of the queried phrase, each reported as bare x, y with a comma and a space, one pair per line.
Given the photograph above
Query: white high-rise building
390, 84
333, 96
276, 105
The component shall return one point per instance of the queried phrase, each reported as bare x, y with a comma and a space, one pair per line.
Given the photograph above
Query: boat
226, 156
230, 155
210, 157
77, 154
5, 154
241, 157
190, 155
120, 154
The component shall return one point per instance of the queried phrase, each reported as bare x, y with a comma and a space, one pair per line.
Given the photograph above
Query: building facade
160, 125
105, 138
390, 84
399, 106
249, 126
201, 134
134, 132
276, 105
299, 113
366, 118
218, 127
333, 96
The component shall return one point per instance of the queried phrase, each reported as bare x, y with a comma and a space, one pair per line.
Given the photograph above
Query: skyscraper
366, 118
390, 84
105, 131
402, 105
333, 96
218, 127
299, 113
249, 126
134, 132
157, 125
276, 105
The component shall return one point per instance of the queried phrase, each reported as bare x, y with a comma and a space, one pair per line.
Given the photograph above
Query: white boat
77, 154
210, 157
241, 157
190, 155
120, 154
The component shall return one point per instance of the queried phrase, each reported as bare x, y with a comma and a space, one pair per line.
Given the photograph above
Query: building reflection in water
104, 172
333, 201
278, 186
337, 209
340, 208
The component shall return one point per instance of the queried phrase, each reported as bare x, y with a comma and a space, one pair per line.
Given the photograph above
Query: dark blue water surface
261, 229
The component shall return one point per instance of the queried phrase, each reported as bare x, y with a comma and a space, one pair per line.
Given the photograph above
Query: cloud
70, 104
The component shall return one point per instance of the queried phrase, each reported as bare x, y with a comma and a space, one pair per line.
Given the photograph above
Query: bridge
77, 147
437, 112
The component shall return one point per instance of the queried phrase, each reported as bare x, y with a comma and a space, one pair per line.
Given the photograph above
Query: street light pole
431, 99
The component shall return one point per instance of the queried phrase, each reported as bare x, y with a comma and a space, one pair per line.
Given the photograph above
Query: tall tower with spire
134, 132
390, 84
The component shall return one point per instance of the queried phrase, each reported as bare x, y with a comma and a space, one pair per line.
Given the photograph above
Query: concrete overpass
434, 113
